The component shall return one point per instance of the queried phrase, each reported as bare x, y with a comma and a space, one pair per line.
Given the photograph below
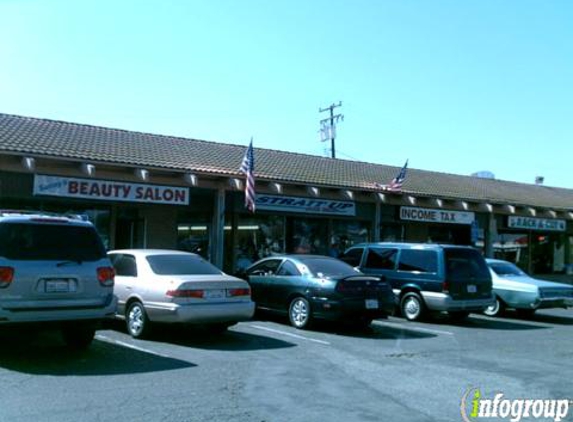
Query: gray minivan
428, 277
54, 271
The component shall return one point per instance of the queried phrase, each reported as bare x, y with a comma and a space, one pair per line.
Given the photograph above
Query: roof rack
5, 213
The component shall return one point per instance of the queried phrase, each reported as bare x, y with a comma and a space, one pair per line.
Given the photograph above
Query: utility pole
327, 126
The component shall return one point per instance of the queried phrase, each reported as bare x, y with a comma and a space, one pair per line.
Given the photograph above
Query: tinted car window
324, 267
353, 256
503, 268
381, 258
269, 266
21, 241
423, 261
180, 265
124, 265
464, 263
288, 268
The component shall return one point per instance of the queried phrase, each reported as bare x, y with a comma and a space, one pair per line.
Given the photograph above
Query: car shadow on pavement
191, 336
540, 317
373, 331
46, 354
229, 341
487, 323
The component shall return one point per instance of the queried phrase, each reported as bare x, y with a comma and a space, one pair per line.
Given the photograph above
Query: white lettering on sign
531, 223
305, 205
436, 216
109, 190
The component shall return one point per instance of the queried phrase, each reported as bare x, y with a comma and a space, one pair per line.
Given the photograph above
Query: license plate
57, 286
371, 304
214, 294
472, 288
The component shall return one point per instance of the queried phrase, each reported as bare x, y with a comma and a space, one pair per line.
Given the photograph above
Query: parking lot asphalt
265, 370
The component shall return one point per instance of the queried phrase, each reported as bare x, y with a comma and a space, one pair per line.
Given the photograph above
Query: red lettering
168, 195
73, 187
84, 188
180, 196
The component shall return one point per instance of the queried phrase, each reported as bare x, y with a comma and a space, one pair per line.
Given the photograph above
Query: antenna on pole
328, 127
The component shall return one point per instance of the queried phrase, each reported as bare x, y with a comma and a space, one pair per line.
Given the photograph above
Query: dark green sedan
310, 286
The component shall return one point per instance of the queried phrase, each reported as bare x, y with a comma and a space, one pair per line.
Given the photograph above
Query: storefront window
309, 236
533, 252
256, 238
345, 234
512, 247
193, 238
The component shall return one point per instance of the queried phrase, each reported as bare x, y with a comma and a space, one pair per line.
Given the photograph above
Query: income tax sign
106, 190
428, 215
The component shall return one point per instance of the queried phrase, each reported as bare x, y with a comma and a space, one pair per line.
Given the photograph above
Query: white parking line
410, 327
514, 321
284, 333
128, 345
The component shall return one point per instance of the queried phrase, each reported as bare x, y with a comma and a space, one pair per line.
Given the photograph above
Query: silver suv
54, 270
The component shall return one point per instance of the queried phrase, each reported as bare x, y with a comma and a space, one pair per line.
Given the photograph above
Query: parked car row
54, 269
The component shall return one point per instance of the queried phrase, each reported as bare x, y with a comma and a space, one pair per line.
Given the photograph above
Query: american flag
396, 184
248, 168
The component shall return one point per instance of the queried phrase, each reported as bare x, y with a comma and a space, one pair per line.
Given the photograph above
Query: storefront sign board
107, 190
428, 215
531, 223
305, 205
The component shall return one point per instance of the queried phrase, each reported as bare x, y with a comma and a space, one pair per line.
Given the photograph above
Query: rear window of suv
46, 242
465, 263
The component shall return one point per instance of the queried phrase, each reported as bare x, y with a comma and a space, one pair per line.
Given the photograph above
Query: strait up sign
106, 190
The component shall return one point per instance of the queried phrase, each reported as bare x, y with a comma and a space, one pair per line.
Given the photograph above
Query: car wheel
458, 315
525, 313
299, 313
79, 337
412, 306
136, 320
496, 309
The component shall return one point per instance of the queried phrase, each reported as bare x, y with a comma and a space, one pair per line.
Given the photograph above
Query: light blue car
513, 288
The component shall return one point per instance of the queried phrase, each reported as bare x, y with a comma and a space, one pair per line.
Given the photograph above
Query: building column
218, 237
490, 235
377, 223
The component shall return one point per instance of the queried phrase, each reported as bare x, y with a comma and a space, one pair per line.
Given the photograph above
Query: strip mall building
153, 191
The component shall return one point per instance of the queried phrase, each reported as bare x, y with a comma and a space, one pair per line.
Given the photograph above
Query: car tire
412, 306
496, 309
78, 337
458, 315
137, 321
299, 313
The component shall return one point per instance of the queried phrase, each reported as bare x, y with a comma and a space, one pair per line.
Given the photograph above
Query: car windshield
178, 264
328, 267
50, 242
506, 268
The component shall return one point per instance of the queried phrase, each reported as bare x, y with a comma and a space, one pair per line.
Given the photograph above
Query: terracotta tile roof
25, 135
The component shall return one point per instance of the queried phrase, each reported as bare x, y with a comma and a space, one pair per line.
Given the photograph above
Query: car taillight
342, 287
238, 292
446, 286
6, 276
105, 276
197, 294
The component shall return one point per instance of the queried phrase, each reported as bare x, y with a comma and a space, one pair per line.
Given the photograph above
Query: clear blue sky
455, 86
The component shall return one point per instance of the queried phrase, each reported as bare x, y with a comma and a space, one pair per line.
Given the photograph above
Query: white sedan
157, 285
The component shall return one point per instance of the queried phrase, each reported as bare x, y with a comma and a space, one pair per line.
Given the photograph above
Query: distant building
484, 174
